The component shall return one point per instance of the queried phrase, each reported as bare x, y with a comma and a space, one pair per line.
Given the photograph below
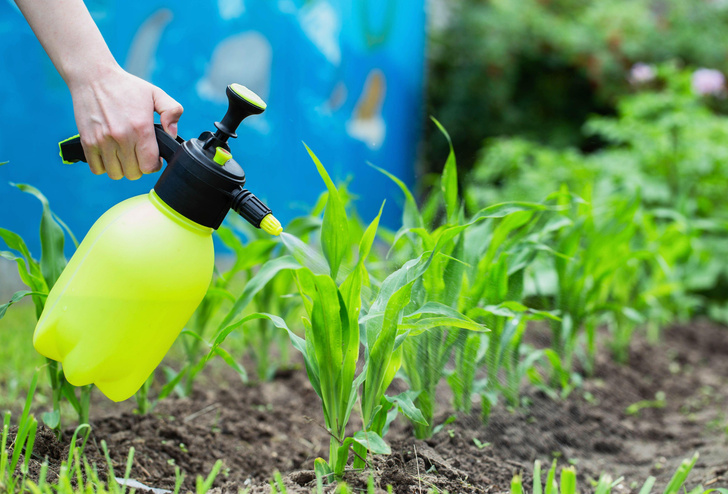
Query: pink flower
708, 81
641, 73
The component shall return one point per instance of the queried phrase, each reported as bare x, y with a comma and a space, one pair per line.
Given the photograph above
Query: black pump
201, 180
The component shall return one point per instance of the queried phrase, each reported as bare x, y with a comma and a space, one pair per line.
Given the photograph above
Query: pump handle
242, 102
71, 150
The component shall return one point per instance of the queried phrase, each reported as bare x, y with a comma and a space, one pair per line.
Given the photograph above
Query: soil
258, 429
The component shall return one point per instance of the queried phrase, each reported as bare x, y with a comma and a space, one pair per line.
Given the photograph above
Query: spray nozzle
255, 212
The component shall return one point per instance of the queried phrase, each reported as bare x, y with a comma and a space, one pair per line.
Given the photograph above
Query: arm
114, 110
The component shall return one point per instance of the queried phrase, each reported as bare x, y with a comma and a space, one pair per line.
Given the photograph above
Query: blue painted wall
344, 76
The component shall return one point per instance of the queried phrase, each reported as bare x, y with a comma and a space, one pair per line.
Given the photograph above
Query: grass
18, 358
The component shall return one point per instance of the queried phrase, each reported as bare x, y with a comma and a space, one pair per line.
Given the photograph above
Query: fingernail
173, 129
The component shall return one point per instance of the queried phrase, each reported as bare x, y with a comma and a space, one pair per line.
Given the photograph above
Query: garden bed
259, 429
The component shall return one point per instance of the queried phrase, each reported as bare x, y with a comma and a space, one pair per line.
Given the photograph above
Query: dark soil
259, 429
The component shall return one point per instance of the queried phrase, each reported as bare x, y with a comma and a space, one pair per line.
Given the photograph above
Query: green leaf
67, 229
681, 475
406, 403
17, 296
568, 480
322, 469
326, 322
448, 421
411, 217
427, 323
436, 308
52, 260
28, 268
176, 378
516, 483
551, 486
382, 346
372, 442
367, 239
216, 292
537, 477
266, 272
506, 208
511, 309
228, 359
449, 180
647, 486
52, 419
454, 271
335, 227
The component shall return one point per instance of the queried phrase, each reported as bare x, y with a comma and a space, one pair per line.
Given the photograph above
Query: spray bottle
145, 265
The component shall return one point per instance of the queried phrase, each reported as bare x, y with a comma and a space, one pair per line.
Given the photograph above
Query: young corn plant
40, 276
497, 253
425, 356
332, 298
396, 315
331, 345
595, 247
651, 288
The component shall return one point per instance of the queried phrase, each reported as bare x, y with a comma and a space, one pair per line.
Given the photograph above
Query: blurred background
624, 97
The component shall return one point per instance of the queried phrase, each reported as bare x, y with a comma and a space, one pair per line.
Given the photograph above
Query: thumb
169, 111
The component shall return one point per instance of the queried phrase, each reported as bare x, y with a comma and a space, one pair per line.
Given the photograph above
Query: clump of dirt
258, 429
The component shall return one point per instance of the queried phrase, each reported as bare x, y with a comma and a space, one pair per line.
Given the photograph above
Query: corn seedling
40, 276
596, 246
439, 292
497, 254
605, 484
331, 346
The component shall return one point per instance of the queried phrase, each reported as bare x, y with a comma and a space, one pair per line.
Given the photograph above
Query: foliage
538, 69
605, 484
640, 245
480, 256
332, 336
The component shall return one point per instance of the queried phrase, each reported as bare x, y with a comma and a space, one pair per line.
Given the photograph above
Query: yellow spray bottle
145, 265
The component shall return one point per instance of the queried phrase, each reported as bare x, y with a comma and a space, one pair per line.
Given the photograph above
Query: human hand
114, 113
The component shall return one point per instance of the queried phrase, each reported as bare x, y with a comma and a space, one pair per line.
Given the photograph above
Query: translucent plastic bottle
145, 265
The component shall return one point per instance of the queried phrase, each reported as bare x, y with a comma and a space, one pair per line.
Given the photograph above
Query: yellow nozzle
271, 225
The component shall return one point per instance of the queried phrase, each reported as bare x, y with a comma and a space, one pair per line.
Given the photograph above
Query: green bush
538, 69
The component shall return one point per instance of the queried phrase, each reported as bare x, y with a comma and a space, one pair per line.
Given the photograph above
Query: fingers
147, 151
169, 111
110, 157
113, 154
93, 158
